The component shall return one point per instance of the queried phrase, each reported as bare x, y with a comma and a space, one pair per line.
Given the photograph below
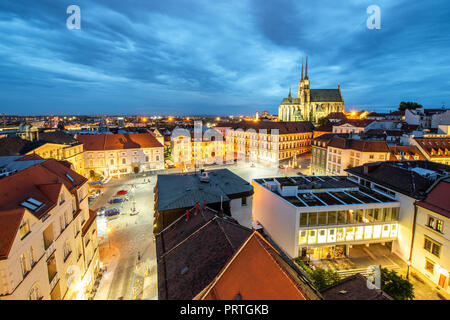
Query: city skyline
222, 58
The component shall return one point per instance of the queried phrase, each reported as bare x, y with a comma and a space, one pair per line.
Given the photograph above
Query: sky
214, 57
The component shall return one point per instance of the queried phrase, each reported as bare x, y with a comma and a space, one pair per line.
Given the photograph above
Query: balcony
49, 251
53, 281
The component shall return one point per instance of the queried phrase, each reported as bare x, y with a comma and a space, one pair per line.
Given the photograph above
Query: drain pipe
412, 237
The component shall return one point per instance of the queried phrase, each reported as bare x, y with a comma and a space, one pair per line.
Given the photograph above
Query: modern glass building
322, 216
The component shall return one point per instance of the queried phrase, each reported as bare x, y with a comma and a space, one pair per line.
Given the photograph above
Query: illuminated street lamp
407, 271
108, 231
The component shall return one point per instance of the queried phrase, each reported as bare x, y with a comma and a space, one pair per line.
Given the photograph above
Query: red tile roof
435, 147
438, 200
10, 221
257, 272
405, 153
355, 122
358, 144
42, 182
98, 142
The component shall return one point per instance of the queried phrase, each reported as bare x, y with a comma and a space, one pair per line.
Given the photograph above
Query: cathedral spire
302, 70
306, 69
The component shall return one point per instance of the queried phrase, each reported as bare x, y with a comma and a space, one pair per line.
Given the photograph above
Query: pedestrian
139, 256
187, 214
197, 208
204, 204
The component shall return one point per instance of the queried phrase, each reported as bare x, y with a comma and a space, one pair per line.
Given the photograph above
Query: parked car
101, 211
283, 166
116, 200
134, 212
120, 192
112, 212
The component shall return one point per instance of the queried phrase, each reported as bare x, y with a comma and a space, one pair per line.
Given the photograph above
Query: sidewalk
110, 258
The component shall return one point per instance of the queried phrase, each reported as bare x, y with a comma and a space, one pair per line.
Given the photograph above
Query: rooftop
185, 264
257, 271
353, 288
177, 191
359, 144
403, 176
437, 199
283, 127
322, 191
98, 142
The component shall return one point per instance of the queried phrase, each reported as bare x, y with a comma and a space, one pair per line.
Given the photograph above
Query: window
243, 201
24, 229
124, 161
435, 224
67, 250
32, 260
429, 266
432, 246
23, 264
34, 293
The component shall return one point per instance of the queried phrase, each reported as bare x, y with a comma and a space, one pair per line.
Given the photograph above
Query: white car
134, 212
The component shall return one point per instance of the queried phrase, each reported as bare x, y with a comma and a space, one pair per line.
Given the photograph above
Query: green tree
323, 121
320, 277
408, 105
395, 286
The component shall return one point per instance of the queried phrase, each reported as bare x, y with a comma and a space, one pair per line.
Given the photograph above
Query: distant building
344, 153
221, 189
48, 242
319, 152
310, 104
58, 145
351, 126
266, 141
427, 118
434, 149
118, 154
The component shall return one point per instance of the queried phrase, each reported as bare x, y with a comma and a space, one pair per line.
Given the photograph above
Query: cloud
221, 57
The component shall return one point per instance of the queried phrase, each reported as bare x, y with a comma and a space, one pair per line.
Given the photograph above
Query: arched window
34, 293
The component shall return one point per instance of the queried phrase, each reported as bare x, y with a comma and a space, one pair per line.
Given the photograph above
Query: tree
324, 121
320, 277
408, 105
395, 286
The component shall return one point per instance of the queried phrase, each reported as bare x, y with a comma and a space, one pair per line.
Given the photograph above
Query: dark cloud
221, 57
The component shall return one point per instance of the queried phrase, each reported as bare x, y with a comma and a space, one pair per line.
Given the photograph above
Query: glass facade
348, 234
309, 219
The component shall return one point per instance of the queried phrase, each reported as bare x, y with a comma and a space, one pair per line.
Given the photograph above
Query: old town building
48, 243
117, 154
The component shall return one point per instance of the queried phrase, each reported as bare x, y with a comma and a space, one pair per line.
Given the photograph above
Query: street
122, 237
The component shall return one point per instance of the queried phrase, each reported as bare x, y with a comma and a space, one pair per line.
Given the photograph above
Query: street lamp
108, 231
407, 271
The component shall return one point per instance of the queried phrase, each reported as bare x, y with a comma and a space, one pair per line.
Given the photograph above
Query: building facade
430, 254
310, 104
321, 217
265, 141
344, 153
49, 245
110, 155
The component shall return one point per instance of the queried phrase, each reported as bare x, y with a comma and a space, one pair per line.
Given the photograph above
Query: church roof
317, 95
325, 95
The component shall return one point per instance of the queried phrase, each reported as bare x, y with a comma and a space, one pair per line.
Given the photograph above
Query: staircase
364, 271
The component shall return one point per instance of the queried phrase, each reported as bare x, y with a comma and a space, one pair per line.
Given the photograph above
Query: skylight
32, 204
69, 177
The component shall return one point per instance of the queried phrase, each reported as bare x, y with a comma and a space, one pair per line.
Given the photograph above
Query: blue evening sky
218, 57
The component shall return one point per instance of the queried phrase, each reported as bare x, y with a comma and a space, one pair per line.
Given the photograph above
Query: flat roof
323, 191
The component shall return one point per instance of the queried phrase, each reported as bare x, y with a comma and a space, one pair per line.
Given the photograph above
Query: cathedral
310, 104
